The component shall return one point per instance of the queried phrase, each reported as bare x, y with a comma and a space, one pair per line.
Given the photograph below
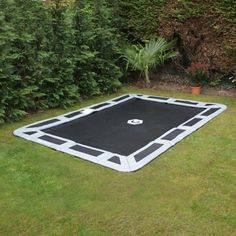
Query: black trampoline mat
124, 133
108, 129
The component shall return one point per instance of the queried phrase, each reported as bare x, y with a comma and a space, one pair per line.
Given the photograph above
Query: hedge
51, 55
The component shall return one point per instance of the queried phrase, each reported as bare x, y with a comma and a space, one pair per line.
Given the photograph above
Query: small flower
195, 68
198, 73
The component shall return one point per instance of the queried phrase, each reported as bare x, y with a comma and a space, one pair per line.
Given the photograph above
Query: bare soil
168, 82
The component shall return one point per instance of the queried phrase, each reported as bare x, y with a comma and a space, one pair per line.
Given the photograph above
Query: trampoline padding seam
115, 159
120, 98
73, 114
52, 139
210, 111
186, 102
192, 122
47, 122
160, 98
30, 133
138, 157
86, 150
99, 105
172, 135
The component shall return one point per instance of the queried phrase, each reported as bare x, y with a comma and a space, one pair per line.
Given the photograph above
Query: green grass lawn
190, 190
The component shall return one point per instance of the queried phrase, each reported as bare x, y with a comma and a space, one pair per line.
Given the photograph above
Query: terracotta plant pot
196, 90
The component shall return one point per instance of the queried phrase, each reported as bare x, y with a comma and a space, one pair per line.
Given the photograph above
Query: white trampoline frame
115, 161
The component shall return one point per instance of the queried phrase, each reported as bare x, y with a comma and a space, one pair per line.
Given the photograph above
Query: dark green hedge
50, 56
137, 19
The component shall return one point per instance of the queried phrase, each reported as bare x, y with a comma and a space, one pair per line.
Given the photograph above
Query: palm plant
147, 57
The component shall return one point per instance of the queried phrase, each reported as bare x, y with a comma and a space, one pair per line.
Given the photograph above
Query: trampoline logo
135, 122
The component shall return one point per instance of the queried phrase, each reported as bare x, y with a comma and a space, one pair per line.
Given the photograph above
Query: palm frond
152, 54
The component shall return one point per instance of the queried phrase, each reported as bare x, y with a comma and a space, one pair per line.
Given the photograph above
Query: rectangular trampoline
124, 133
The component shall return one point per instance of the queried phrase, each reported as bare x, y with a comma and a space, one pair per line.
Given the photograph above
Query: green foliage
227, 8
17, 52
97, 45
185, 9
152, 54
198, 74
50, 55
5, 61
106, 42
85, 55
138, 18
58, 84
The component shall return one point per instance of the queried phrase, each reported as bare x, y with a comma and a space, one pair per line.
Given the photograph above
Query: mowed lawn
190, 190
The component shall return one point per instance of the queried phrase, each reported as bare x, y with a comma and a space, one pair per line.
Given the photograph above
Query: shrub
152, 54
198, 74
50, 54
184, 10
227, 8
18, 57
137, 19
107, 46
57, 58
7, 55
97, 49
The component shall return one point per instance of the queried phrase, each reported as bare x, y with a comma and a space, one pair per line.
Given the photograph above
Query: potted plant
198, 74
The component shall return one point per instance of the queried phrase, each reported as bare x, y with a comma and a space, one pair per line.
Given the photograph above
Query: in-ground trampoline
124, 133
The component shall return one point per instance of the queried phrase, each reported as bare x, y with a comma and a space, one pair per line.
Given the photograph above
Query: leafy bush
18, 58
227, 8
97, 49
198, 74
58, 84
185, 9
50, 55
137, 19
152, 54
